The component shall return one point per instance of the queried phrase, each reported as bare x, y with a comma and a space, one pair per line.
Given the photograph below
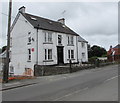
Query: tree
4, 48
96, 51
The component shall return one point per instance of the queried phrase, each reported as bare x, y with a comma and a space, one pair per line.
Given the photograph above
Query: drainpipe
37, 45
77, 48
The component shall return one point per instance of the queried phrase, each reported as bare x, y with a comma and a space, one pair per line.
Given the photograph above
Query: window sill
28, 43
59, 44
47, 60
70, 45
71, 59
28, 61
48, 43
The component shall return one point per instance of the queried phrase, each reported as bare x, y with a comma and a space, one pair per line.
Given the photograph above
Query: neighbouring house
114, 53
40, 41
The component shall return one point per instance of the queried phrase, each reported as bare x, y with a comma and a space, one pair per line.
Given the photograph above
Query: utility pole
6, 67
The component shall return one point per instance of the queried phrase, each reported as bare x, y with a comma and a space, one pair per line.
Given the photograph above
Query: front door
60, 54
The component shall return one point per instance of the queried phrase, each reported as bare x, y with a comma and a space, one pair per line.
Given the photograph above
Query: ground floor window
29, 54
48, 54
70, 54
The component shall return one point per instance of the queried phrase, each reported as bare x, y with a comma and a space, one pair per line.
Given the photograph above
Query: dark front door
60, 54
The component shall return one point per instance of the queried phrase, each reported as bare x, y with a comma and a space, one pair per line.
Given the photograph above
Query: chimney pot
111, 47
61, 20
22, 9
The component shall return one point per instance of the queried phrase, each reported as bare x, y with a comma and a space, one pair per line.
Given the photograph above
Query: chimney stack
61, 20
22, 9
111, 47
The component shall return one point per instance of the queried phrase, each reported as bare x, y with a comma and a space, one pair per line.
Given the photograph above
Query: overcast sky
96, 22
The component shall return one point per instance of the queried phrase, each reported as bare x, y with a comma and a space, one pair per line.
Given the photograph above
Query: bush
92, 59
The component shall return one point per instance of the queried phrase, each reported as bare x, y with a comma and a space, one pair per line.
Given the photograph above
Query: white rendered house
36, 40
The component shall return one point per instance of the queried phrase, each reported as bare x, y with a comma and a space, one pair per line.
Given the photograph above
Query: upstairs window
83, 44
10, 41
70, 40
29, 38
59, 39
48, 37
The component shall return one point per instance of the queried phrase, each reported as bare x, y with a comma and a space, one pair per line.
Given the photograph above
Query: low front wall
54, 70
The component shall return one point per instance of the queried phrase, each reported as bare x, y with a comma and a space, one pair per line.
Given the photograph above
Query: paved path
98, 84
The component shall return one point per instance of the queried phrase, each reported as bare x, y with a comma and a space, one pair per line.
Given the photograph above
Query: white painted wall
19, 48
53, 46
82, 50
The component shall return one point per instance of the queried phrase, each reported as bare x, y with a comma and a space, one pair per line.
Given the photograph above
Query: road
100, 84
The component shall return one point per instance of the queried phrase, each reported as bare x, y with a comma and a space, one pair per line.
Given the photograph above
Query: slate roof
118, 46
80, 39
47, 24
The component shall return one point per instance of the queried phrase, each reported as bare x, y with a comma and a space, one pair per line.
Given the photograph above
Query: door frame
62, 54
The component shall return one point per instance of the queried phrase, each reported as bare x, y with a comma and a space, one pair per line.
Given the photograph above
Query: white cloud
92, 20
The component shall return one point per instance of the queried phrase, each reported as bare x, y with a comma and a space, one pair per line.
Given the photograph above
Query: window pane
45, 54
45, 37
68, 54
71, 39
49, 37
72, 54
59, 39
29, 54
29, 51
49, 53
68, 40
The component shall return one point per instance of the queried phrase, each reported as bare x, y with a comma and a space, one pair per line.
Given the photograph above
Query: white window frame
59, 39
71, 54
29, 38
70, 40
48, 37
48, 54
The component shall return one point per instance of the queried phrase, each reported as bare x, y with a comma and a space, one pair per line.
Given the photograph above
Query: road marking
70, 94
111, 79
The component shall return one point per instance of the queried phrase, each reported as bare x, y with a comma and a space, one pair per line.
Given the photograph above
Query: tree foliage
96, 51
